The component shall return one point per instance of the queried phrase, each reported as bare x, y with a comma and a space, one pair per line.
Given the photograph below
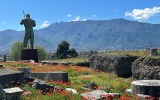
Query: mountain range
115, 34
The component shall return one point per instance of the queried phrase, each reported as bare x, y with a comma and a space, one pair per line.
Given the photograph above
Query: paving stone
72, 90
99, 95
13, 93
55, 76
94, 95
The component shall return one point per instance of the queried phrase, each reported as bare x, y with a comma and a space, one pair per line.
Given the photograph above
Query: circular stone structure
146, 87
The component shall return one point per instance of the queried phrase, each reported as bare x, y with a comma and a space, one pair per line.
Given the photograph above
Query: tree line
63, 51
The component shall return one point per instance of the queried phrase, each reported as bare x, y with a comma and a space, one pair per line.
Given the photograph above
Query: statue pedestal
29, 54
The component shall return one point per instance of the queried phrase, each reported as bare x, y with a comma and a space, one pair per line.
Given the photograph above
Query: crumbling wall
146, 68
118, 64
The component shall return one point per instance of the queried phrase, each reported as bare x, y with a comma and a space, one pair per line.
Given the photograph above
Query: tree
63, 51
72, 52
41, 52
16, 51
17, 48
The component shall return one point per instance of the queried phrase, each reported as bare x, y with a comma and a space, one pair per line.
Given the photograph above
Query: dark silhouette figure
29, 33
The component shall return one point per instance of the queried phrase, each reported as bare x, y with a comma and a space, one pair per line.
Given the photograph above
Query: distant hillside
92, 34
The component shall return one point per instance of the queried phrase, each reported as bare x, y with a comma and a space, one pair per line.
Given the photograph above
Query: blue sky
45, 12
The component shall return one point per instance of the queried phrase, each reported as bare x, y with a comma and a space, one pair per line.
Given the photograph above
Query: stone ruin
154, 52
126, 66
12, 78
23, 76
145, 89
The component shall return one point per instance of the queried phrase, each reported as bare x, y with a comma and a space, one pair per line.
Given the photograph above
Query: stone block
72, 90
144, 97
146, 87
54, 63
42, 85
99, 95
26, 71
29, 54
28, 80
147, 68
84, 64
154, 52
13, 93
55, 76
94, 95
8, 76
64, 63
118, 64
2, 94
1, 65
45, 62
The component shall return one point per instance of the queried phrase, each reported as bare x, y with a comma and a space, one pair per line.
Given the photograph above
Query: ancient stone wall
125, 65
118, 64
146, 68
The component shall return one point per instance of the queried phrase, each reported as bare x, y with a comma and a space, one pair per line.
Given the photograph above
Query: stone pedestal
29, 54
145, 88
55, 76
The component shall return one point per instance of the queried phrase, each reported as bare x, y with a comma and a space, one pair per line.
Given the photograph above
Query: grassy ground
79, 77
140, 53
71, 60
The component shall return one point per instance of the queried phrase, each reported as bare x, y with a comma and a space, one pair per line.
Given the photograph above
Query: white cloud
69, 15
84, 19
77, 18
45, 24
143, 13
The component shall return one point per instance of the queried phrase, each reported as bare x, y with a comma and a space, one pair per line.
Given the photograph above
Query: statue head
27, 15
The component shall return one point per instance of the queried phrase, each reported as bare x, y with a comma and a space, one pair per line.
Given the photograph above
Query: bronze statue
29, 33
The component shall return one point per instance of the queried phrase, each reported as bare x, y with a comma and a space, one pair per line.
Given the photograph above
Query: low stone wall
146, 68
118, 64
10, 77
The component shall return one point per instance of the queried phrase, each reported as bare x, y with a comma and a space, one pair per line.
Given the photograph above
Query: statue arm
34, 23
22, 22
